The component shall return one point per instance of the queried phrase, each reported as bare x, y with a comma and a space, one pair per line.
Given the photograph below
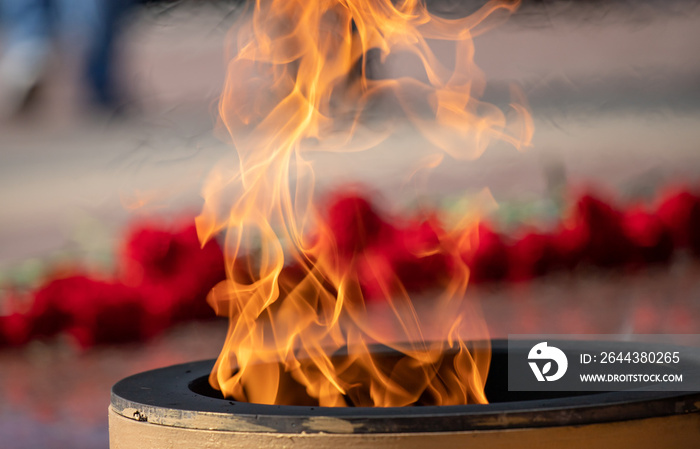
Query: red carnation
418, 259
92, 311
652, 241
116, 315
50, 312
375, 273
14, 329
488, 261
680, 213
409, 258
607, 243
173, 271
530, 256
569, 243
354, 223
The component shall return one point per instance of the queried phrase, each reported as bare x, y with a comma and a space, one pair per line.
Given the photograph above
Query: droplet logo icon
543, 352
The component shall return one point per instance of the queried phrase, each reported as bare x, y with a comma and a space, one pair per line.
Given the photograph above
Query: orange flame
300, 330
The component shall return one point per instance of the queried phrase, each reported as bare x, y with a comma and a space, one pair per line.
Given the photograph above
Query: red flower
530, 256
569, 244
173, 271
410, 258
51, 310
14, 329
488, 261
375, 273
607, 243
680, 213
419, 260
354, 223
652, 241
385, 258
92, 311
117, 316
167, 277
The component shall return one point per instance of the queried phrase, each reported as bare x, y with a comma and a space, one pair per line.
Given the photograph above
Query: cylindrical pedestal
175, 408
651, 433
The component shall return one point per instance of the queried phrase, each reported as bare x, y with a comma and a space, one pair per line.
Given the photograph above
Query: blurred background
108, 129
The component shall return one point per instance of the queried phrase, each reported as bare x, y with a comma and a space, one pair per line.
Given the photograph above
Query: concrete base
652, 433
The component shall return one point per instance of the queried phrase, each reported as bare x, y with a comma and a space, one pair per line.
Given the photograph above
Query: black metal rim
164, 396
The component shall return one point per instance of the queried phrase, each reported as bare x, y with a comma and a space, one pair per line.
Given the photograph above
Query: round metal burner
175, 407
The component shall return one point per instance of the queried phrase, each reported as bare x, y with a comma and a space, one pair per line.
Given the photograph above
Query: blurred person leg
102, 61
103, 21
76, 22
27, 50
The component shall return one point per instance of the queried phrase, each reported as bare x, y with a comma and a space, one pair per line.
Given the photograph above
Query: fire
301, 330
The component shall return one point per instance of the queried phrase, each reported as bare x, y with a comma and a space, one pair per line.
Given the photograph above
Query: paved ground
615, 96
55, 397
